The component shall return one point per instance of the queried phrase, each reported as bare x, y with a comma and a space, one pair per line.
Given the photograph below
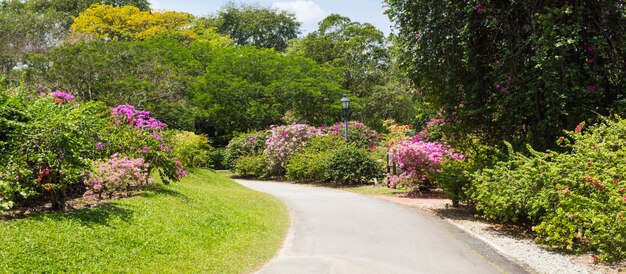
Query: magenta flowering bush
285, 141
136, 134
118, 173
62, 97
137, 118
358, 133
416, 160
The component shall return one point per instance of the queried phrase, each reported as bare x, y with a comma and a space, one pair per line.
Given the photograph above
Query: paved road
339, 232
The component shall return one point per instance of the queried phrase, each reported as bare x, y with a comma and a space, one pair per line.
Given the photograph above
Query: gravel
516, 244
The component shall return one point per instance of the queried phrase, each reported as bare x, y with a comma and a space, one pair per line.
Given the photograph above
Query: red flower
579, 127
589, 163
46, 172
479, 8
619, 215
595, 259
39, 180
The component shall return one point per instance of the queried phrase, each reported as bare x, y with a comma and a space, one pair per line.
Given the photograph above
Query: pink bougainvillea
284, 141
416, 160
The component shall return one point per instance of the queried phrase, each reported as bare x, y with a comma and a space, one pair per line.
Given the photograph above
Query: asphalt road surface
334, 231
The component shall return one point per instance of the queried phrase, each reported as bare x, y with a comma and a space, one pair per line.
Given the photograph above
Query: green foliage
252, 25
252, 166
518, 71
576, 199
206, 223
310, 164
350, 166
191, 149
455, 176
248, 144
45, 145
217, 158
245, 89
358, 49
149, 74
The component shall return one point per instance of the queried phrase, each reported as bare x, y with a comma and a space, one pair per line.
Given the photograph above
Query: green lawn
374, 190
205, 223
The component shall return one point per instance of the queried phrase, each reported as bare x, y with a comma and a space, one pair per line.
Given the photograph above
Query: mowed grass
375, 190
204, 223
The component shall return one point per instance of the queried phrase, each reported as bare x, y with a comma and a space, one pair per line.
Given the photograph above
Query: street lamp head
345, 102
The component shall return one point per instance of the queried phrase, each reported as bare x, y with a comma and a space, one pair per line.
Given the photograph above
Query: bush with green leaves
252, 166
309, 165
576, 199
358, 133
192, 150
247, 144
45, 143
351, 166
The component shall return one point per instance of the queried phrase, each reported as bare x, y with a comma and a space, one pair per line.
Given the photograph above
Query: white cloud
306, 11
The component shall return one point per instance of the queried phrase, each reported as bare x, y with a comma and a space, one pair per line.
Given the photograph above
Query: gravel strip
514, 245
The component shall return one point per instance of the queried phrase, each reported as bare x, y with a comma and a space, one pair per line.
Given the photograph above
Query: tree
245, 88
255, 26
151, 74
519, 71
359, 49
129, 22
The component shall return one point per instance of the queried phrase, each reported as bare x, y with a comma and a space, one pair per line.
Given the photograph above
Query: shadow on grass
101, 215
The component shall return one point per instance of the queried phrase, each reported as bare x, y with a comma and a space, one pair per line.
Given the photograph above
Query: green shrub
216, 156
251, 166
310, 163
350, 166
247, 144
45, 144
577, 199
191, 149
455, 176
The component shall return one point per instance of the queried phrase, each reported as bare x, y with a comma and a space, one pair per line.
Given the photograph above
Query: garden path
333, 231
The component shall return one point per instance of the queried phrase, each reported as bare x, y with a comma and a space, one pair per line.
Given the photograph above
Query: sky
308, 12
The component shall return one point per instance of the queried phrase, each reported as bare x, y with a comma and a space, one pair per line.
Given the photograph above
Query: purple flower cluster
358, 133
137, 118
284, 141
117, 174
62, 97
416, 160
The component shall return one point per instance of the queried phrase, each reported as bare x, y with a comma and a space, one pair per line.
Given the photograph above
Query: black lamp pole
345, 105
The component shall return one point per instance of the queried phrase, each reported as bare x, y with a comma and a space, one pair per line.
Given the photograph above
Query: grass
374, 190
205, 223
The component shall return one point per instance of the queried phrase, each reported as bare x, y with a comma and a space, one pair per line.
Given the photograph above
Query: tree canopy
520, 71
254, 25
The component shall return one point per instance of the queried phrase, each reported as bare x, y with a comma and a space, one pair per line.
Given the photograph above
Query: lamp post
345, 105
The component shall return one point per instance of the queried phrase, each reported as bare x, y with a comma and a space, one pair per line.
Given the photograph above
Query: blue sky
309, 12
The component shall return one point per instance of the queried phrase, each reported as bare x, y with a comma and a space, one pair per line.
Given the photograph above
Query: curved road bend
335, 231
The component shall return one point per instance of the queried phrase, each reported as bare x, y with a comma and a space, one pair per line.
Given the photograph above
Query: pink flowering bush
118, 173
416, 160
247, 144
358, 133
136, 134
285, 141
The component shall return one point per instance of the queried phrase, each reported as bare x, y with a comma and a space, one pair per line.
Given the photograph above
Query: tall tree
516, 70
256, 26
359, 49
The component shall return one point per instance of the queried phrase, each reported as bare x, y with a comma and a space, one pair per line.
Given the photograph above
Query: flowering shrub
137, 118
136, 134
284, 141
62, 97
396, 133
248, 144
118, 174
576, 200
44, 146
416, 160
310, 163
358, 133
